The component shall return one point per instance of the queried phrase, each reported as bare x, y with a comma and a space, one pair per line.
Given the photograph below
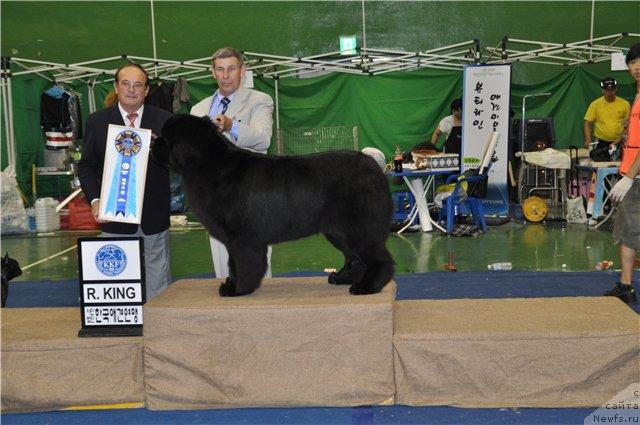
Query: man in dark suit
131, 86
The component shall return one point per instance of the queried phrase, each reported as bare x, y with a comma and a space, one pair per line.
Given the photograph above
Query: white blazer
253, 111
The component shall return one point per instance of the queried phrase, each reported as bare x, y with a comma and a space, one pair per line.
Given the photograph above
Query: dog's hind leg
353, 268
250, 263
379, 270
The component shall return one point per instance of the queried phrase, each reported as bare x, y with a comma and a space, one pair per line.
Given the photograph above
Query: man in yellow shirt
608, 115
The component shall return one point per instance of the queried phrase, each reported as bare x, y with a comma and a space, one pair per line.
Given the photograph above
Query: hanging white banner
486, 99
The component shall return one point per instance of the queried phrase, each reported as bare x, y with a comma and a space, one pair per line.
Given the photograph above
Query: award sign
124, 174
112, 289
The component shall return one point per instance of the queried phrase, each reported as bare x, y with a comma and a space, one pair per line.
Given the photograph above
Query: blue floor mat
369, 415
437, 285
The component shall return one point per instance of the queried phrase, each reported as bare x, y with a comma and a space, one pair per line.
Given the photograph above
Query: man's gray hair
227, 52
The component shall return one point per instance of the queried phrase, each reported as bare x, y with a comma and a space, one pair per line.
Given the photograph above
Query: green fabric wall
396, 108
400, 108
75, 31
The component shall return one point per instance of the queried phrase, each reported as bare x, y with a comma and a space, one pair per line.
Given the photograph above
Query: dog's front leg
351, 273
249, 266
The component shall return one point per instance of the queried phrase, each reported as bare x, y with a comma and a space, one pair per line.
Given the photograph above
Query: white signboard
124, 174
103, 260
112, 293
618, 61
485, 109
113, 315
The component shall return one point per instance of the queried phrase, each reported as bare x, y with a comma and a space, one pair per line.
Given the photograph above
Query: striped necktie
132, 119
225, 104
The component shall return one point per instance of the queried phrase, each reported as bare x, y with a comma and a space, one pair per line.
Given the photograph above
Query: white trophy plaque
124, 174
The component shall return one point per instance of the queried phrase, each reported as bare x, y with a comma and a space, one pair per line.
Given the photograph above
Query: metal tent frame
365, 61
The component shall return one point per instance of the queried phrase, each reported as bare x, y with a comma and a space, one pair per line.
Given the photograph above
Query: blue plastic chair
459, 196
403, 203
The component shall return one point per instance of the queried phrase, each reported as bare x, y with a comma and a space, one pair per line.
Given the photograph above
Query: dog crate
301, 141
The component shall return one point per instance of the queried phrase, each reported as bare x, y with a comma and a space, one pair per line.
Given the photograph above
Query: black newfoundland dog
248, 201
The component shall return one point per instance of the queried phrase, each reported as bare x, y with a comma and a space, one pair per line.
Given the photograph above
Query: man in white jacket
245, 117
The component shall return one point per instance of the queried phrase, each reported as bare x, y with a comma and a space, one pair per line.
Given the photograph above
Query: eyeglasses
135, 86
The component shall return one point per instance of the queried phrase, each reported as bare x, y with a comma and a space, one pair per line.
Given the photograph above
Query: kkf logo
111, 260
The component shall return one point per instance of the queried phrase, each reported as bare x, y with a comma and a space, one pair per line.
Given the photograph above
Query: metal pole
275, 79
279, 141
92, 96
522, 128
153, 39
7, 103
593, 6
12, 135
364, 28
5, 107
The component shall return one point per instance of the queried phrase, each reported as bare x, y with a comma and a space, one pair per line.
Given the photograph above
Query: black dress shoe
624, 292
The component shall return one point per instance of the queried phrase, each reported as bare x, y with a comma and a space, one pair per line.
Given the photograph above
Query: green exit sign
348, 44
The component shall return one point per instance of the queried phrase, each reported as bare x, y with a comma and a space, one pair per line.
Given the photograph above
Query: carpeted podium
45, 366
303, 342
294, 342
531, 352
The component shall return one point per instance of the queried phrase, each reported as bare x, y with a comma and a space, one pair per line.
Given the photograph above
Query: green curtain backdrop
401, 108
76, 31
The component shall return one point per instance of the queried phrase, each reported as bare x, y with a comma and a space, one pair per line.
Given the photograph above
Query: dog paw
336, 279
227, 289
363, 290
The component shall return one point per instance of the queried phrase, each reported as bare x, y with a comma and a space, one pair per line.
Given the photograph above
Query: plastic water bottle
47, 219
499, 266
397, 160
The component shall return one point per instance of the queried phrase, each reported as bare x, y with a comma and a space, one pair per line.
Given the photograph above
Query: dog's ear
160, 151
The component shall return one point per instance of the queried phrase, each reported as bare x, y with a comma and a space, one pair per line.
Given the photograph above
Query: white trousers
220, 258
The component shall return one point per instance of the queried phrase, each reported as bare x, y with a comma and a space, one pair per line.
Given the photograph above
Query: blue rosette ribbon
123, 196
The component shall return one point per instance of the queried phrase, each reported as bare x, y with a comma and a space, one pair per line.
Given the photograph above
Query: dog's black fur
248, 201
10, 269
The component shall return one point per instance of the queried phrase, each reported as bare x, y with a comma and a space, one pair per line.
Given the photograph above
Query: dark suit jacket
156, 204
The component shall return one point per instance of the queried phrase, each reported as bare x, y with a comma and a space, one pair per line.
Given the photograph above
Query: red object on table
80, 217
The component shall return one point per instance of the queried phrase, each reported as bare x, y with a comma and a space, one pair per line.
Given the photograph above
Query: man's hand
620, 189
223, 122
95, 210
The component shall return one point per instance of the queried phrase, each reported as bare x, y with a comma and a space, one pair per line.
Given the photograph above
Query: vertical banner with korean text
486, 98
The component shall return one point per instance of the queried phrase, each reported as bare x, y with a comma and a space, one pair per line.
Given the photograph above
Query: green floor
527, 246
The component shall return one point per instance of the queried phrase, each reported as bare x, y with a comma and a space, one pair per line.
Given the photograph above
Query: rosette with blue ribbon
123, 196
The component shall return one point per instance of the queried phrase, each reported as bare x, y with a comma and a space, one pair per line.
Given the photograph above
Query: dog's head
188, 143
10, 267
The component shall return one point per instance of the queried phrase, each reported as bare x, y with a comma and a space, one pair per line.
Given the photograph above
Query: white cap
377, 155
